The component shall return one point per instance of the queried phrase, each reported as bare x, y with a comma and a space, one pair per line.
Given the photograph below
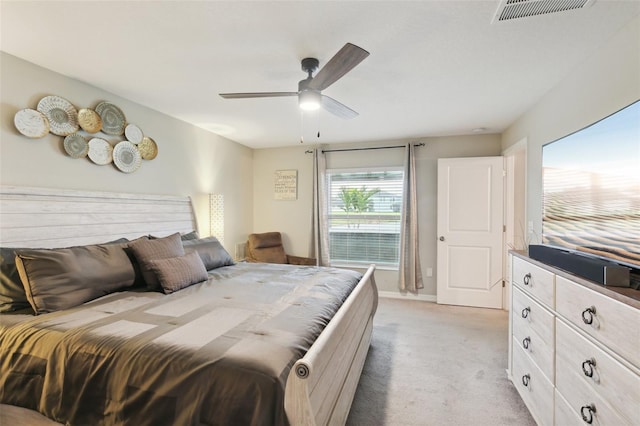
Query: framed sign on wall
285, 185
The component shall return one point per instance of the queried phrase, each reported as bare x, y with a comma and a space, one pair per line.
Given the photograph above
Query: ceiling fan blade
338, 109
342, 62
257, 95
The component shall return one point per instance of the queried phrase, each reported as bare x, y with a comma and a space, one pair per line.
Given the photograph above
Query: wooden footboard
321, 385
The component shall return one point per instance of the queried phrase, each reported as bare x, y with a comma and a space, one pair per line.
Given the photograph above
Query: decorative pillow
56, 279
176, 273
12, 295
211, 252
193, 235
160, 248
139, 281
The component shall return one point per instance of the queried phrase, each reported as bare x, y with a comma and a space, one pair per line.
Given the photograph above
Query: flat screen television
591, 189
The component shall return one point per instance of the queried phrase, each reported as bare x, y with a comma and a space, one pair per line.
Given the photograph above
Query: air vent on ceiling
513, 9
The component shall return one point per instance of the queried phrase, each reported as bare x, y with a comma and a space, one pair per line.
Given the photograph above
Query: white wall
190, 161
604, 83
293, 218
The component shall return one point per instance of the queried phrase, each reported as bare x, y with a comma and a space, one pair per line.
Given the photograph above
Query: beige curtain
320, 237
410, 273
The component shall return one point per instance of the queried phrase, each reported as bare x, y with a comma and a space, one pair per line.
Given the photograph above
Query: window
364, 209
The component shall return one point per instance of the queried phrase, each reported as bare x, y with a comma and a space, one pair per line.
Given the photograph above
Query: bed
249, 344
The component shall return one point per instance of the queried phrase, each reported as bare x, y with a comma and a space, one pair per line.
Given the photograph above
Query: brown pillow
211, 252
160, 248
176, 273
12, 295
56, 279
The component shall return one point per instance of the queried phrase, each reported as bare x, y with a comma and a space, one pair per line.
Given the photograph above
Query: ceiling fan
309, 90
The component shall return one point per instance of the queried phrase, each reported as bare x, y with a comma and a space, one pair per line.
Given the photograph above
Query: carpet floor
432, 364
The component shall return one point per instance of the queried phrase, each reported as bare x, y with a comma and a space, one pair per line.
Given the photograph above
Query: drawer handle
526, 279
525, 312
525, 342
525, 379
587, 367
587, 413
587, 315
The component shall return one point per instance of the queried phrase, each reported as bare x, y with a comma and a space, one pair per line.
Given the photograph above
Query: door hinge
503, 284
504, 228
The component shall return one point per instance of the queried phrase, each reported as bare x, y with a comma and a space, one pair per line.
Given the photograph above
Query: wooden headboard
48, 218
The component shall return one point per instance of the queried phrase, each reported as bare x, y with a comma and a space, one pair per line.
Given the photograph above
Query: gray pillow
211, 252
139, 281
176, 273
56, 279
193, 235
12, 295
160, 248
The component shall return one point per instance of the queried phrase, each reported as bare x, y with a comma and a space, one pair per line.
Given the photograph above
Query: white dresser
574, 347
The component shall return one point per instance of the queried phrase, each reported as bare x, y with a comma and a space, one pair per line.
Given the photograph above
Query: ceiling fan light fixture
309, 100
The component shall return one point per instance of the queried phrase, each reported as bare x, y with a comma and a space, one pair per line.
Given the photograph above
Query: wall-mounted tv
591, 189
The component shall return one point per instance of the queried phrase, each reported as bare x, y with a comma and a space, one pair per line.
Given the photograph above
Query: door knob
441, 238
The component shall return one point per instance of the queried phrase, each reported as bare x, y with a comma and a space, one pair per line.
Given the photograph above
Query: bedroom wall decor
285, 185
101, 134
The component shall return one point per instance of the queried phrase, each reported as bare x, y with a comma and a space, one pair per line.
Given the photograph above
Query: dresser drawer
534, 388
616, 384
542, 353
564, 414
534, 315
580, 399
537, 281
613, 323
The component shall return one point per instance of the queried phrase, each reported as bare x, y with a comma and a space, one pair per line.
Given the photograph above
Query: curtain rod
363, 149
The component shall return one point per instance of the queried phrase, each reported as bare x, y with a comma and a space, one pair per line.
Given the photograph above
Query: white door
470, 229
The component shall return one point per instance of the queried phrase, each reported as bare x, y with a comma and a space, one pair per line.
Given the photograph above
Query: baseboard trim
407, 296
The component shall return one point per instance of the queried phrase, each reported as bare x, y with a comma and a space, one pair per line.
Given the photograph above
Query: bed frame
321, 385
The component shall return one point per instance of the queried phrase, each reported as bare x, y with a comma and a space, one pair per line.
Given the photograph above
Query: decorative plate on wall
133, 133
126, 157
100, 152
62, 116
148, 148
89, 120
31, 123
113, 119
76, 146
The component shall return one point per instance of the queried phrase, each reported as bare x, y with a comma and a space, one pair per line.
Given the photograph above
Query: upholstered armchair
267, 248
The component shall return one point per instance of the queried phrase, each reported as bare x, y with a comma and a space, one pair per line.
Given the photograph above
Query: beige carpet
434, 364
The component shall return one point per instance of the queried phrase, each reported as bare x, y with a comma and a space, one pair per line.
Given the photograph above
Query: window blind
364, 212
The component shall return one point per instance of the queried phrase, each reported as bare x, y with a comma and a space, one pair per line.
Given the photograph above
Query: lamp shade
216, 216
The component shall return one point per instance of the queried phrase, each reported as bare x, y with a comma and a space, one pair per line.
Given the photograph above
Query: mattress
214, 353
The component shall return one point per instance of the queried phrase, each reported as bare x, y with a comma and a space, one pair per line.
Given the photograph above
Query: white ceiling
436, 67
